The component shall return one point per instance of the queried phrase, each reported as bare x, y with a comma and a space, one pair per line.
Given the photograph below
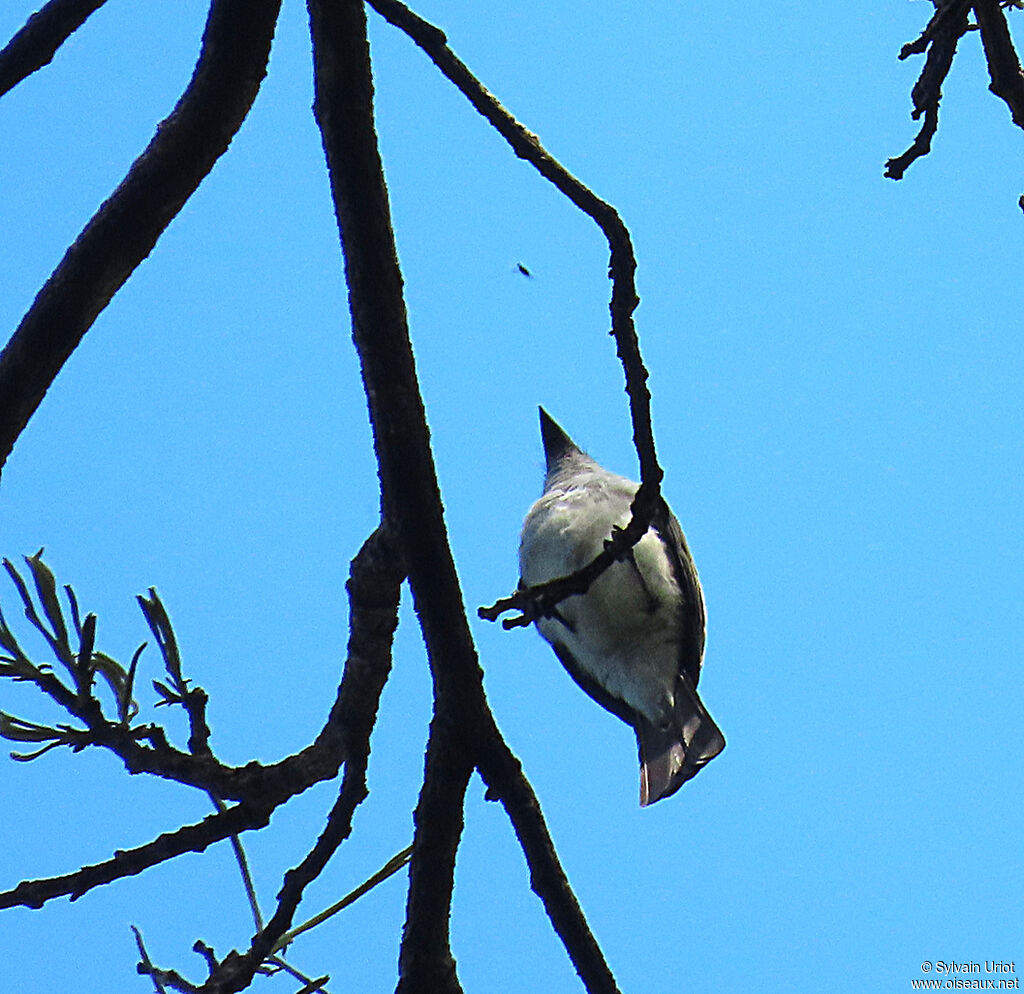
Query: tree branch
374, 585
1003, 62
426, 964
126, 863
539, 601
343, 107
622, 262
505, 780
940, 38
410, 495
35, 45
236, 47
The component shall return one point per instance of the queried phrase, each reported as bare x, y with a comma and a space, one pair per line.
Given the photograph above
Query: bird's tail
671, 756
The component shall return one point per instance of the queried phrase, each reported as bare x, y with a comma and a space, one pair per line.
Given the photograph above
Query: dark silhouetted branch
236, 47
35, 45
410, 494
622, 264
505, 781
539, 601
1003, 62
426, 964
374, 586
126, 863
939, 38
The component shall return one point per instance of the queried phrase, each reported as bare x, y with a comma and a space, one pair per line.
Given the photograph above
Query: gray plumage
635, 640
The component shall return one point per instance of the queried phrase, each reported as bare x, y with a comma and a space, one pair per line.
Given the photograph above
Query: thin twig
243, 868
526, 145
190, 838
146, 964
505, 780
237, 969
622, 269
391, 867
534, 602
374, 586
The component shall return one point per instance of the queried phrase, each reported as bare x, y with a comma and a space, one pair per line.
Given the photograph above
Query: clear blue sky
836, 365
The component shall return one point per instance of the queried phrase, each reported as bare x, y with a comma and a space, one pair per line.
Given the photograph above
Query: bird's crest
557, 444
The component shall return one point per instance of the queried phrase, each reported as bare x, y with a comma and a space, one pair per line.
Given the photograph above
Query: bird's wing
692, 615
591, 687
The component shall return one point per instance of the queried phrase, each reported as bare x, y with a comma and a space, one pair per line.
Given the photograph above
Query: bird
634, 642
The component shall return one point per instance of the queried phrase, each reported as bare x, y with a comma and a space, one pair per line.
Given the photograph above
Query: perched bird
635, 640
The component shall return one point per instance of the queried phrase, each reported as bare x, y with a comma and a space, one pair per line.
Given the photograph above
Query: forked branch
939, 39
622, 260
374, 585
535, 602
410, 496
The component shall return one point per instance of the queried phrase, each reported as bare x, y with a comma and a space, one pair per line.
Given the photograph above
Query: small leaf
168, 695
126, 706
111, 670
46, 587
83, 671
73, 604
160, 625
62, 653
19, 730
27, 757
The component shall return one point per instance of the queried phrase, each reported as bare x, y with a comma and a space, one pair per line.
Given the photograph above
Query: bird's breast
625, 630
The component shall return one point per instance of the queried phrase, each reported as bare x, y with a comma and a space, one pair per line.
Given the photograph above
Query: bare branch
506, 782
922, 144
374, 585
426, 964
126, 863
622, 263
344, 111
389, 869
145, 964
35, 45
940, 38
1003, 62
236, 46
237, 970
539, 601
410, 496
409, 483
